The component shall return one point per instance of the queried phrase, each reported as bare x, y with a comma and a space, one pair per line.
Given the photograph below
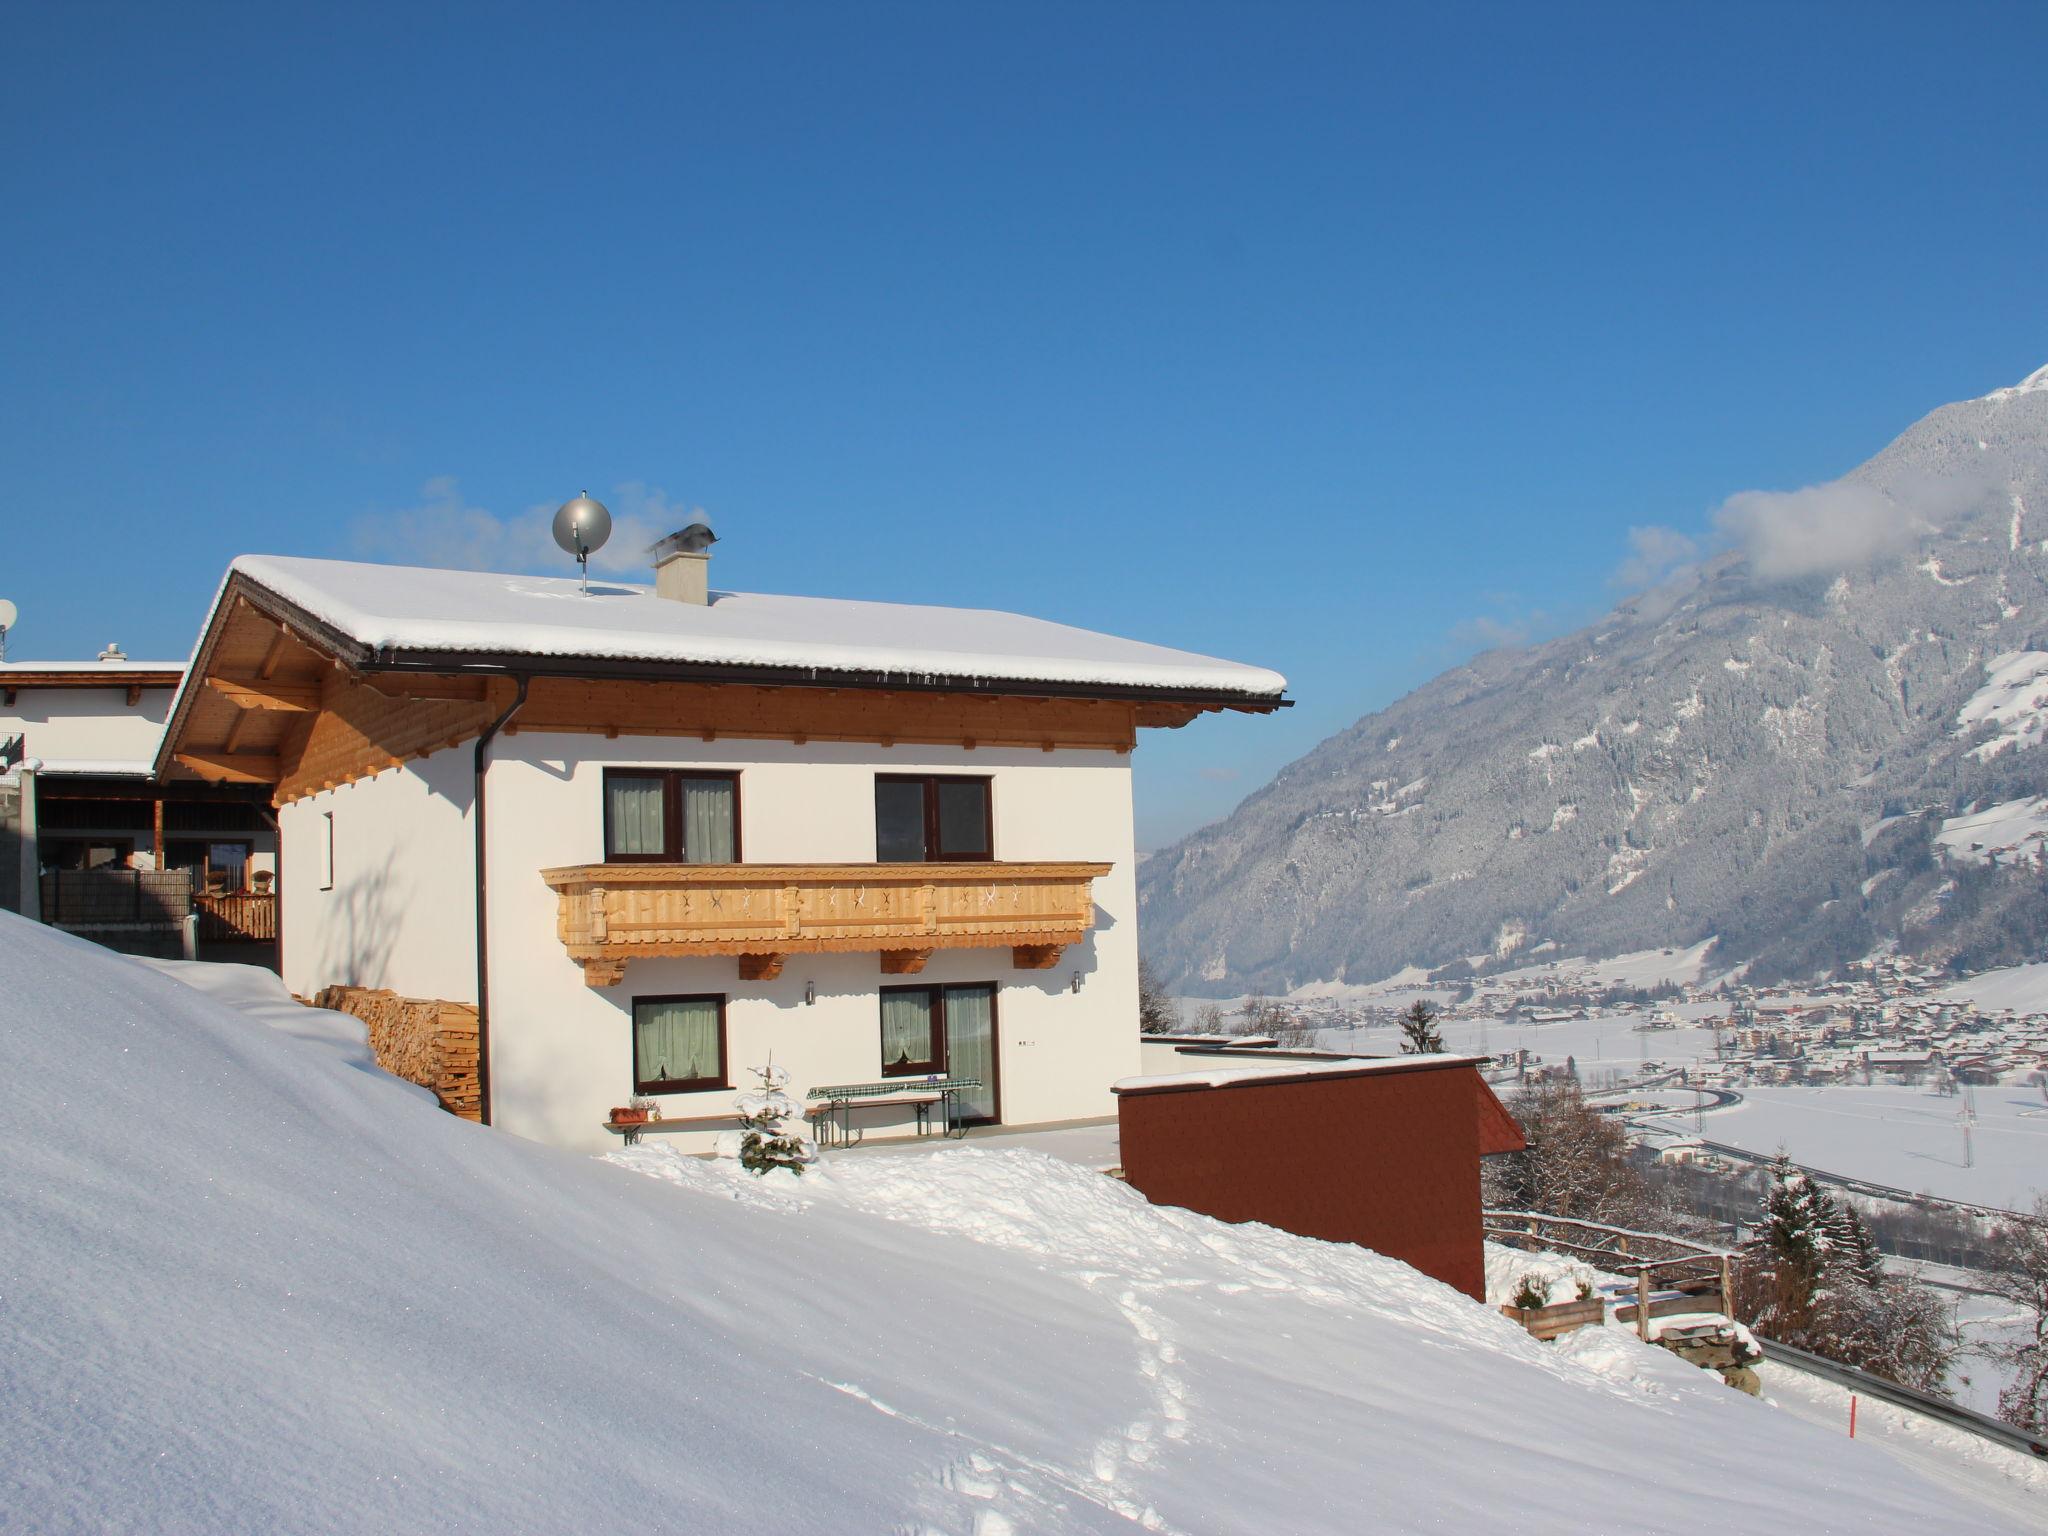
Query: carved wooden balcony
763, 913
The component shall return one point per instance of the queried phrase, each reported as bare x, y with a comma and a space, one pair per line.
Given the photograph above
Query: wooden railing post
1643, 1305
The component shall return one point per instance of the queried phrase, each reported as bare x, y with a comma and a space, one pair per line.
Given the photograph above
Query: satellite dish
581, 527
8, 614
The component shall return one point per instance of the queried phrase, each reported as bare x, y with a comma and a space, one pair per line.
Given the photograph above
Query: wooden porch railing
237, 916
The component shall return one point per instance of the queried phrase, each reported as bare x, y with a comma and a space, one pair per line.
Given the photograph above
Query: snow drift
247, 1282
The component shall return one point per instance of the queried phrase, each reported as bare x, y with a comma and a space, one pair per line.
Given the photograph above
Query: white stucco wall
402, 910
561, 1052
96, 725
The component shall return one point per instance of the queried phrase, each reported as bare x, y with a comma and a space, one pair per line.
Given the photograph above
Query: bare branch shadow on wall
362, 928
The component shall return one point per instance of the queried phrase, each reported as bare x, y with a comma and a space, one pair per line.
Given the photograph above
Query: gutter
483, 929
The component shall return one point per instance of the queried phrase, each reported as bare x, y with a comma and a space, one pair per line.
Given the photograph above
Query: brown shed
1382, 1152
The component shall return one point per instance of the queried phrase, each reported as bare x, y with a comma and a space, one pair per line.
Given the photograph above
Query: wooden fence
238, 915
89, 899
1673, 1275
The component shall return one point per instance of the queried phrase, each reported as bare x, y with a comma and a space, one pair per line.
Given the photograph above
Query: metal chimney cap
691, 540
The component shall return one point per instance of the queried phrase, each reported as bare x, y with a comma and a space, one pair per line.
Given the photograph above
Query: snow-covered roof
88, 671
410, 609
96, 767
1286, 1070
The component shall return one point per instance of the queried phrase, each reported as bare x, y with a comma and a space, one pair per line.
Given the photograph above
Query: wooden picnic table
920, 1093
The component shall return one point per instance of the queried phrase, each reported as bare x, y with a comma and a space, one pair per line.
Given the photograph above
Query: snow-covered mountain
249, 1283
1823, 738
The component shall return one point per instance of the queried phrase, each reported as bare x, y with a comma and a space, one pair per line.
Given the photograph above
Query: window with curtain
671, 817
678, 1044
946, 1030
910, 1042
922, 818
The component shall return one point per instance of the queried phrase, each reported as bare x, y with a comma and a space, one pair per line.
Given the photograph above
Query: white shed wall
96, 725
561, 1052
402, 910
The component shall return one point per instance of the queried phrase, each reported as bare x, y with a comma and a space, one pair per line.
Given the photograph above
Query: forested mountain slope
1822, 738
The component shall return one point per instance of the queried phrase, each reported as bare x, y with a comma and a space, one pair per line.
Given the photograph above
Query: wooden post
1643, 1305
157, 829
1727, 1288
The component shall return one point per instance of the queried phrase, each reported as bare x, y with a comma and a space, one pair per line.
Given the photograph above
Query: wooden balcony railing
763, 913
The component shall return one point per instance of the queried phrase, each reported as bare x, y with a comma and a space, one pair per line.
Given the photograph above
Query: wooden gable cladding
270, 706
609, 914
252, 703
711, 710
362, 729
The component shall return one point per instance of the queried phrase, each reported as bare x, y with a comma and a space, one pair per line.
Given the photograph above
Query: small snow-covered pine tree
766, 1113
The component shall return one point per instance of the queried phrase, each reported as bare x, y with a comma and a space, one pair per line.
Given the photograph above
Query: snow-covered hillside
248, 1283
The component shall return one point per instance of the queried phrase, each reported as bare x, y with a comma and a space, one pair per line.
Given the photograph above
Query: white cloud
442, 529
1820, 529
1491, 632
1655, 555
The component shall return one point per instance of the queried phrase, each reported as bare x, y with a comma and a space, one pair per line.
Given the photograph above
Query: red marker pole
1852, 1415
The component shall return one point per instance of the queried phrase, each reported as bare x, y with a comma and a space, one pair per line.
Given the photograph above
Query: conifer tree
1419, 1035
766, 1140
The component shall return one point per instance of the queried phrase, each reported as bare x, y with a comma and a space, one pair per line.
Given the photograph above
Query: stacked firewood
423, 1040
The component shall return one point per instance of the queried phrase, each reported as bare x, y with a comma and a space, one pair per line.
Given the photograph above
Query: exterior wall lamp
1074, 986
810, 993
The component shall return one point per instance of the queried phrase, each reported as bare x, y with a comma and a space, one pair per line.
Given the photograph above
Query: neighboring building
655, 834
1382, 1152
94, 844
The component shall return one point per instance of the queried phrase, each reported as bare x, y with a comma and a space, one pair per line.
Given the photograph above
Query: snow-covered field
1641, 968
1908, 1138
2011, 832
1595, 1044
2022, 988
249, 1283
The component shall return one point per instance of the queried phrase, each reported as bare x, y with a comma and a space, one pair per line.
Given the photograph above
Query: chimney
682, 565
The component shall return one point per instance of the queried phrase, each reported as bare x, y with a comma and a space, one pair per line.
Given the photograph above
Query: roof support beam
267, 693
231, 767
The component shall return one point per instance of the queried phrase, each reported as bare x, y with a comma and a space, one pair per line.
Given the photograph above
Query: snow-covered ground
2013, 701
2011, 832
1596, 1045
1908, 1138
2022, 988
1983, 1474
1641, 968
249, 1283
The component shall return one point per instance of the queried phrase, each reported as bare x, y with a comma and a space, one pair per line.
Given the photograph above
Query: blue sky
1340, 339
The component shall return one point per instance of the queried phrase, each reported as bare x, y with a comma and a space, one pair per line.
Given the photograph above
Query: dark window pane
634, 815
899, 821
963, 819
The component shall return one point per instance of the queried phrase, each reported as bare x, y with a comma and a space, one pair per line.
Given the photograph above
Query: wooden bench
631, 1131
920, 1102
